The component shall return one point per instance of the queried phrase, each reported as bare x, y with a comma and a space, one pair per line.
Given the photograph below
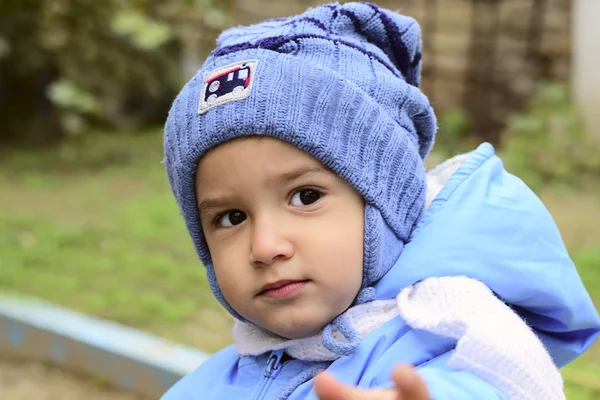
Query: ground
31, 381
91, 225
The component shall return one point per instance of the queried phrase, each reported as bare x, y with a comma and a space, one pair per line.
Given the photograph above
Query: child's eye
305, 197
230, 218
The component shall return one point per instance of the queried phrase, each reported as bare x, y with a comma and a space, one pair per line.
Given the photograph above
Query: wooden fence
484, 56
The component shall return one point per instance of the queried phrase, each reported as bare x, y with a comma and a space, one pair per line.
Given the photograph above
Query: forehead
254, 154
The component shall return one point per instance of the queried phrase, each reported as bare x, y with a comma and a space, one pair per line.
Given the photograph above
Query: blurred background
87, 220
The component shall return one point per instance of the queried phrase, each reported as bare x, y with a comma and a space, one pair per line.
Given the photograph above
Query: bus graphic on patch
229, 83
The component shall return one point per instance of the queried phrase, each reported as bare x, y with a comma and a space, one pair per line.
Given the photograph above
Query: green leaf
144, 32
66, 94
4, 48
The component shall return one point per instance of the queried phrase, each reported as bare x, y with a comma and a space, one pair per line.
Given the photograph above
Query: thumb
329, 388
409, 383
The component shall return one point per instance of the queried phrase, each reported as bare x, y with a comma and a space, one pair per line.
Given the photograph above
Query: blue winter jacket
485, 224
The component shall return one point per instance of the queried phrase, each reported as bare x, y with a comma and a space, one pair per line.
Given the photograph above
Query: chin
297, 322
300, 334
300, 330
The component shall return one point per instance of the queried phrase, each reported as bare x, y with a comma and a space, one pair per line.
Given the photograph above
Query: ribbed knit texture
339, 82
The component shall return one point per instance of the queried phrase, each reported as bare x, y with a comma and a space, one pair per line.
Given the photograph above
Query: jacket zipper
273, 369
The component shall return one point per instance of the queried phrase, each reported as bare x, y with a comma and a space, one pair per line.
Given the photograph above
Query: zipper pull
274, 363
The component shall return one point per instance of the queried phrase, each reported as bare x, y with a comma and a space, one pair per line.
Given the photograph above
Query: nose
269, 243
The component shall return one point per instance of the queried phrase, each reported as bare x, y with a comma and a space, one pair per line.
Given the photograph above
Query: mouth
282, 289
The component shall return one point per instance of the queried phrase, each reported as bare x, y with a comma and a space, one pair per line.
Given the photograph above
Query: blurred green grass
91, 225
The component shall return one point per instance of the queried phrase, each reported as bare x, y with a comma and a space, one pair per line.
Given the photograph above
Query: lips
283, 288
277, 285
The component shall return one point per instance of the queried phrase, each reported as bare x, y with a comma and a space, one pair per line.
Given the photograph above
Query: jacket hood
487, 224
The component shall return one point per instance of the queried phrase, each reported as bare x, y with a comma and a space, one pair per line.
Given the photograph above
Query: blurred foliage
549, 144
67, 63
93, 226
453, 138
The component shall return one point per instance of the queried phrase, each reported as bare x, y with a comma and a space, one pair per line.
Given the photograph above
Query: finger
319, 372
409, 383
328, 387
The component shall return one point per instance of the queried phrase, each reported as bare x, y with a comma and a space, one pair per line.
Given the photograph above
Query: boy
296, 156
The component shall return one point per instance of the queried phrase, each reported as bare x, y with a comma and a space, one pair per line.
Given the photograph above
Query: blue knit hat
339, 82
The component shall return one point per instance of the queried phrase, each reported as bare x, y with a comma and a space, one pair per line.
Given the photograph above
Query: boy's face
285, 234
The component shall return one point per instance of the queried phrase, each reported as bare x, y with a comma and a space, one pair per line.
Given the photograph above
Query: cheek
341, 245
226, 261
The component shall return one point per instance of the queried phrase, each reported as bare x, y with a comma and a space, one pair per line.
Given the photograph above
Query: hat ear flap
381, 246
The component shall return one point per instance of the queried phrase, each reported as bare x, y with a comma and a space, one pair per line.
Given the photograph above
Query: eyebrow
211, 203
295, 174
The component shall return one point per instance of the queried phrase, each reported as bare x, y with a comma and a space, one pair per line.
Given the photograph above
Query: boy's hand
409, 386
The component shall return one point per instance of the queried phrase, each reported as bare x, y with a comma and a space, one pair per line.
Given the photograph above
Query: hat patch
229, 83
